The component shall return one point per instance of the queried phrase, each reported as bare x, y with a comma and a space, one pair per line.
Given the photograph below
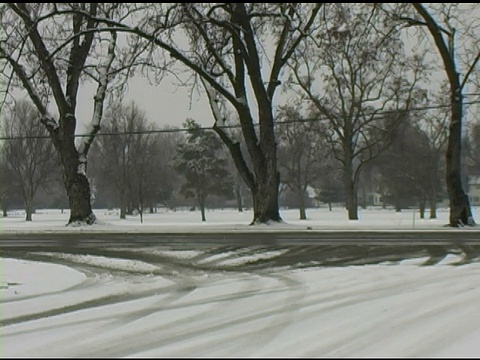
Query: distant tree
329, 186
8, 187
404, 167
353, 72
29, 154
199, 159
301, 150
135, 162
432, 124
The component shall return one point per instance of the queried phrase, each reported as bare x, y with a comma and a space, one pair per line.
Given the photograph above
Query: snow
148, 302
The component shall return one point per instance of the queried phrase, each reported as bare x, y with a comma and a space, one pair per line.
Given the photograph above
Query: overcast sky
164, 104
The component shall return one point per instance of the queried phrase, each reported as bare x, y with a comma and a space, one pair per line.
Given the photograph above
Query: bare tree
444, 36
358, 79
123, 150
42, 58
230, 49
433, 124
7, 184
301, 153
29, 154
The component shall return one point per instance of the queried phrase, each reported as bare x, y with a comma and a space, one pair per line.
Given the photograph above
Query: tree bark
351, 196
433, 208
76, 183
201, 203
303, 212
265, 199
28, 211
421, 208
460, 211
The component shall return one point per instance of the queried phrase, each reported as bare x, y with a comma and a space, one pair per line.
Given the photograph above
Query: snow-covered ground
232, 302
229, 219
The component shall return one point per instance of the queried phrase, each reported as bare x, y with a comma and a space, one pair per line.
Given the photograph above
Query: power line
379, 114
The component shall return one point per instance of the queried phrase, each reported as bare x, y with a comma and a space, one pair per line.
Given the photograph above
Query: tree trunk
329, 206
238, 195
433, 204
350, 184
303, 213
351, 199
123, 203
201, 203
5, 212
398, 205
28, 211
421, 208
77, 186
433, 208
460, 211
265, 199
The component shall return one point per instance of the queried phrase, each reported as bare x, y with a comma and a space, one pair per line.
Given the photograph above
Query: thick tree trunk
78, 188
351, 198
303, 212
5, 211
350, 184
265, 200
460, 211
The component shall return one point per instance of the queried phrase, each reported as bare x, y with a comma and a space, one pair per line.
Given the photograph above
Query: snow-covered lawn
149, 302
318, 218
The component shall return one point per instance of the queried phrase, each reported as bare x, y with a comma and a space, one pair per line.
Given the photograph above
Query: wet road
454, 237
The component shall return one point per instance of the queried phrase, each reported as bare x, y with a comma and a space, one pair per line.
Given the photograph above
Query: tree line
347, 63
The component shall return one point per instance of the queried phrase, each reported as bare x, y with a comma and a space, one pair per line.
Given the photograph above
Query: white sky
390, 309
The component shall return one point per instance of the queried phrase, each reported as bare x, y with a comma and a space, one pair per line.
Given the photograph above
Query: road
295, 248
189, 240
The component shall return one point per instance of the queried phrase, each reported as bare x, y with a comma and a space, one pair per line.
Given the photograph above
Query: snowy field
233, 301
166, 221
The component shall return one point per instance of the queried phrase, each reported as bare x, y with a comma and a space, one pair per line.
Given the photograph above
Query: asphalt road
186, 240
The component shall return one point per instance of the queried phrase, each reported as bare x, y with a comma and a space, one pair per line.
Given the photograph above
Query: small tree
200, 159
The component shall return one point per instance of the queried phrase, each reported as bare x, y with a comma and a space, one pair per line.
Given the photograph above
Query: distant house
374, 198
474, 190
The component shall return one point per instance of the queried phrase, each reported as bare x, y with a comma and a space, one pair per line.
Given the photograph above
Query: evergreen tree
201, 159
